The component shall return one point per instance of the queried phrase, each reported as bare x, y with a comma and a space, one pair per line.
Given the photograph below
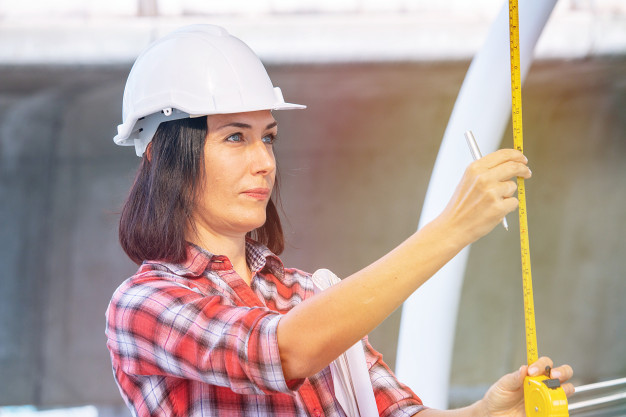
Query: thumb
515, 380
506, 395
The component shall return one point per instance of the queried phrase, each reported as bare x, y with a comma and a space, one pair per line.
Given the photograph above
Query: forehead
261, 118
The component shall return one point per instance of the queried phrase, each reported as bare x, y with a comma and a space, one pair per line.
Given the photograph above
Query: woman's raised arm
319, 329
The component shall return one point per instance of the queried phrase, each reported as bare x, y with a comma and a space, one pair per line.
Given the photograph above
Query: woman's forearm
318, 330
315, 332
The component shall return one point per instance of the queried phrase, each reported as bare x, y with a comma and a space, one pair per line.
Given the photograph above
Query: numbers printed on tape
518, 143
539, 398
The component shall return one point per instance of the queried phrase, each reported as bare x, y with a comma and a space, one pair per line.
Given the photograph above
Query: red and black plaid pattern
194, 339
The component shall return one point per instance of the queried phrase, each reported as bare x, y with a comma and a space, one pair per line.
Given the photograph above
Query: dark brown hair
160, 204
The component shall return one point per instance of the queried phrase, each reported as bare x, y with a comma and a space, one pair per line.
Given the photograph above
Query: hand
485, 193
506, 397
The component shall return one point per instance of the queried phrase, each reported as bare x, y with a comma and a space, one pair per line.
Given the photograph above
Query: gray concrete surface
304, 31
354, 166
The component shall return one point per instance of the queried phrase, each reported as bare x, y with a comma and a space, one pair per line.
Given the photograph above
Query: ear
148, 152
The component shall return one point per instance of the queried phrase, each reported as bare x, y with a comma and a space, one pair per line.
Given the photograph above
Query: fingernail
555, 374
532, 370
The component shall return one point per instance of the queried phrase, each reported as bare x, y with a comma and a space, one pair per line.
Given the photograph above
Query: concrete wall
303, 31
354, 166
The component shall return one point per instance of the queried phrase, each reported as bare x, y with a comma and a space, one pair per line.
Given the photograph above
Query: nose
262, 160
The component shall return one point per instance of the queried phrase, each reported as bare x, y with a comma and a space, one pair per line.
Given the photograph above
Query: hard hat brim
125, 129
129, 135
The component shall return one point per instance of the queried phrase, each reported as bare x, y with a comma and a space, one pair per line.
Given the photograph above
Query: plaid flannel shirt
193, 339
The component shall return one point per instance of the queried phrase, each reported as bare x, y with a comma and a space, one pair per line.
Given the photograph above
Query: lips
258, 193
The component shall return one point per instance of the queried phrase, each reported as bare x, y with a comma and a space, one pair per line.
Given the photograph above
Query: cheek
216, 192
218, 177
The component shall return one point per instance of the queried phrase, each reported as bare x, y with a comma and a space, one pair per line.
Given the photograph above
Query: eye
235, 138
269, 139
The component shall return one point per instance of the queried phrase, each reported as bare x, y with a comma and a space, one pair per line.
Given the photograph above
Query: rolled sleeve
263, 362
156, 327
393, 398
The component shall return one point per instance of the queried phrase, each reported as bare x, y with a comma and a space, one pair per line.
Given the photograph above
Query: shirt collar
198, 260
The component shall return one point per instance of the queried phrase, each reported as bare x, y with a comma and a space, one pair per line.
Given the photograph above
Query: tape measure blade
518, 143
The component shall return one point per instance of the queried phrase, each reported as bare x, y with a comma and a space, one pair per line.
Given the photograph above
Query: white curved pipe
428, 321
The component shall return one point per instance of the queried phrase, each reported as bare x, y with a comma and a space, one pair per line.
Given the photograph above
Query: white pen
475, 151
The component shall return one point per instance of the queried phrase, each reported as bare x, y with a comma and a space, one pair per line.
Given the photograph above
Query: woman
213, 323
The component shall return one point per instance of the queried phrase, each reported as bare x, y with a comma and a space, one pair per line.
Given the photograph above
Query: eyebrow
246, 126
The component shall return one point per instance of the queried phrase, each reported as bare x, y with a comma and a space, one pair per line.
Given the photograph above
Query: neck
233, 247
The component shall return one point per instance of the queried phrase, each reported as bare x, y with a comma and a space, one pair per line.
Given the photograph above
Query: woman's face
240, 170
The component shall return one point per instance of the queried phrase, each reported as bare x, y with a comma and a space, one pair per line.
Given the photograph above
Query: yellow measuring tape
542, 396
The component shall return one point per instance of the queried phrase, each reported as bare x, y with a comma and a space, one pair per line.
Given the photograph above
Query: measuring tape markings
518, 143
543, 397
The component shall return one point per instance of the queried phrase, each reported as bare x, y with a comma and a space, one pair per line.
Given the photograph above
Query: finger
562, 373
497, 179
568, 388
508, 188
540, 366
496, 191
500, 156
505, 193
514, 380
521, 374
508, 170
509, 204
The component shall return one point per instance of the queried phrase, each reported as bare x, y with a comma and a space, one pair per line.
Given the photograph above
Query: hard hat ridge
196, 70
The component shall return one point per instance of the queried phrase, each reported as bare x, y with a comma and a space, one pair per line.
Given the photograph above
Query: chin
255, 223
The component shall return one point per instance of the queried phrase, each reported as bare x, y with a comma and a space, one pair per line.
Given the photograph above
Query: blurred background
380, 79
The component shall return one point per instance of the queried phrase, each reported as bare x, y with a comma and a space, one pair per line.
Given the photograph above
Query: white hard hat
194, 71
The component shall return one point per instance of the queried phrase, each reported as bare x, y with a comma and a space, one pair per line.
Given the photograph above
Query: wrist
449, 233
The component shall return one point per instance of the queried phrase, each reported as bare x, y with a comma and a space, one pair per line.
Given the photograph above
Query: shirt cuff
265, 367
